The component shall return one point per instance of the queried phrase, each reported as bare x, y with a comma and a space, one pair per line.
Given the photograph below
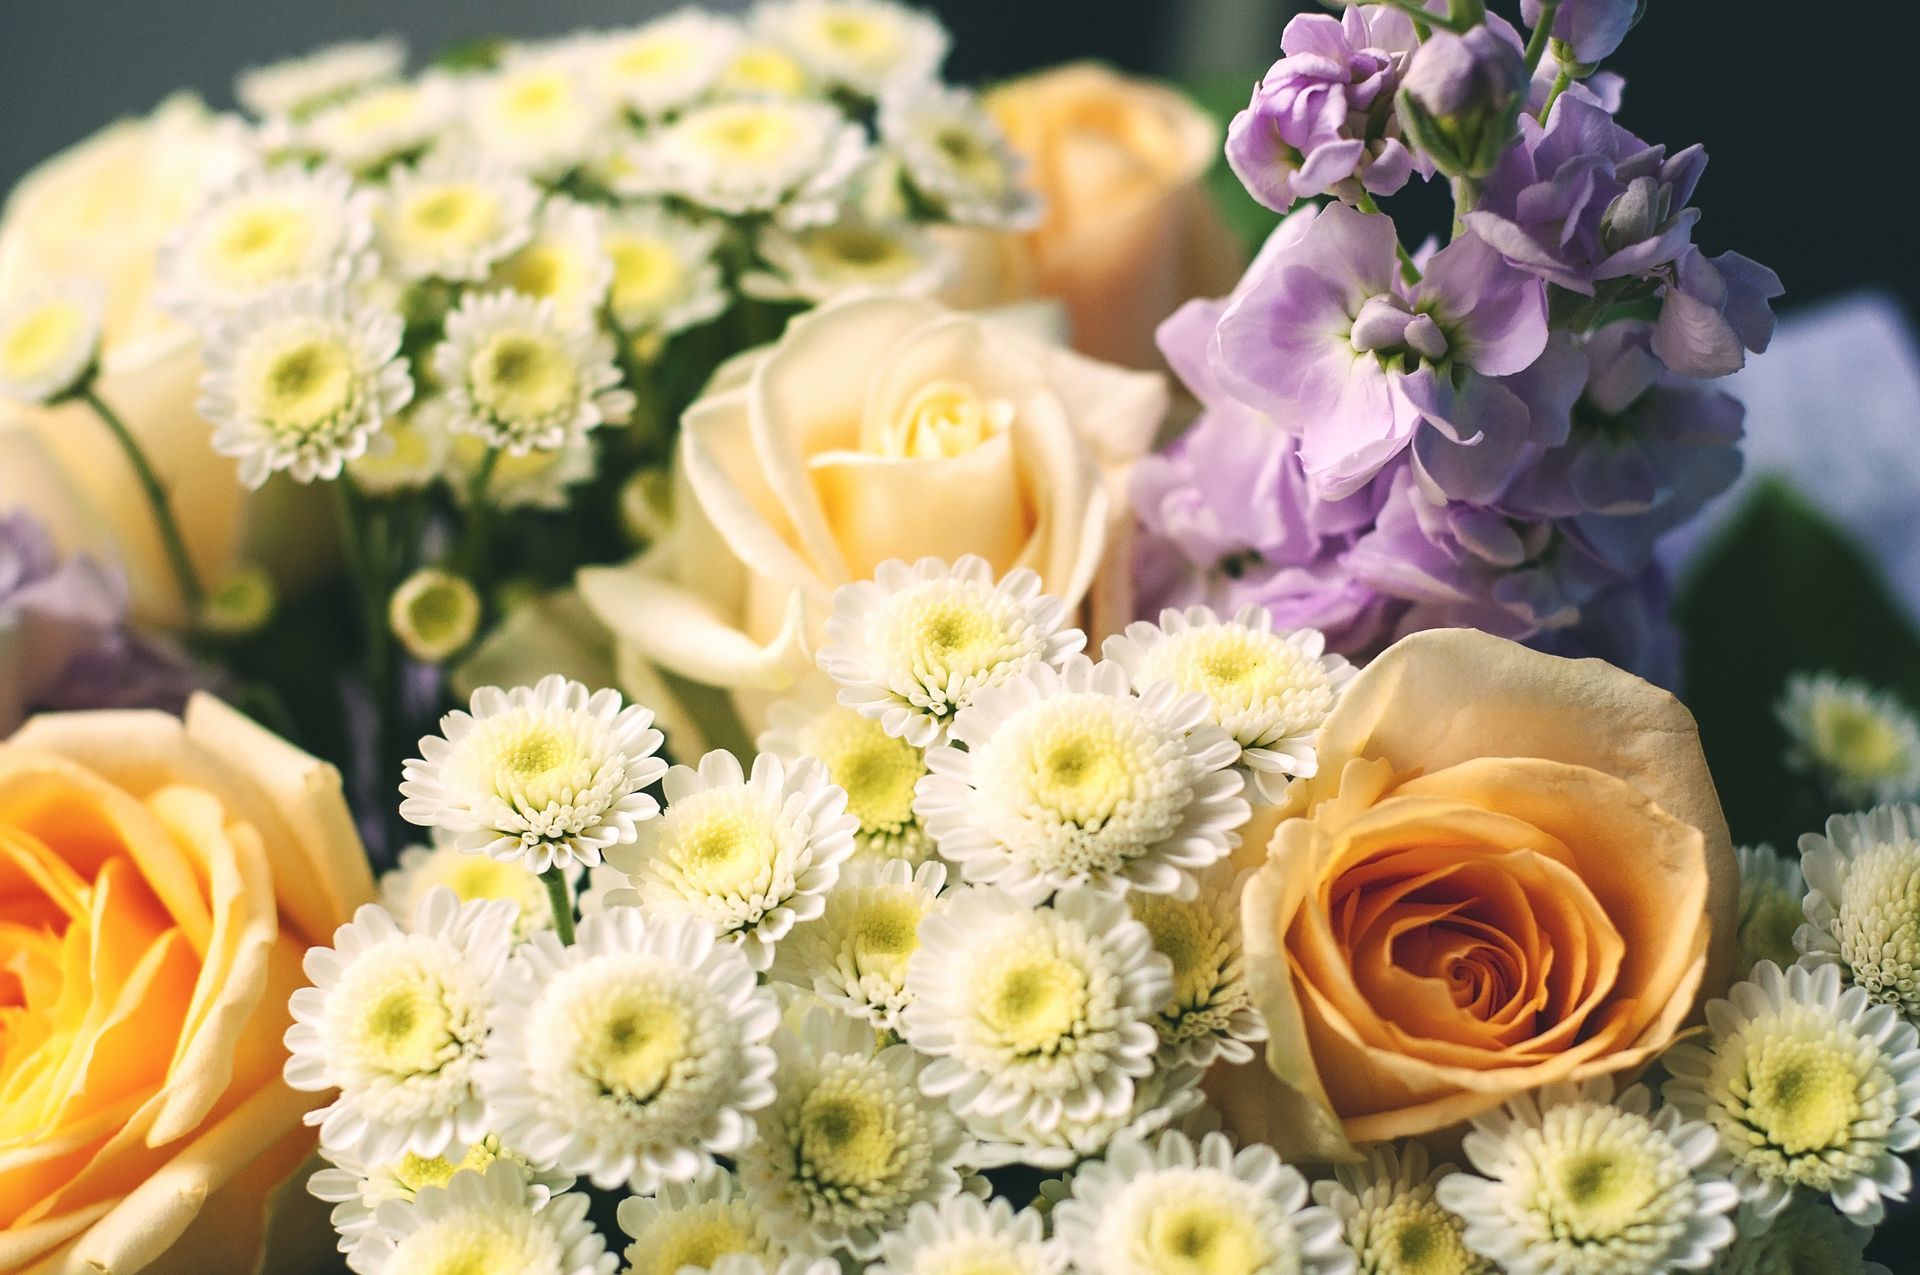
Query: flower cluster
1491, 433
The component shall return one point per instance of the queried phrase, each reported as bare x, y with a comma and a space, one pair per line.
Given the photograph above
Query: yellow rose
160, 881
1129, 232
877, 428
1511, 869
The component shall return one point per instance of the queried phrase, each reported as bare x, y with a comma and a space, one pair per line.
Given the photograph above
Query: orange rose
160, 881
1511, 869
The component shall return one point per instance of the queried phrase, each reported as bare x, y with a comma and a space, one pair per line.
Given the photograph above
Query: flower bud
434, 614
1461, 98
240, 604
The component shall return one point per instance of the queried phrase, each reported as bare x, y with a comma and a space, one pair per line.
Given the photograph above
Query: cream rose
160, 881
1511, 869
876, 428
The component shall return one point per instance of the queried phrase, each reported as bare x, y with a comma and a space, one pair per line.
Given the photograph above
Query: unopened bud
1461, 99
435, 614
240, 604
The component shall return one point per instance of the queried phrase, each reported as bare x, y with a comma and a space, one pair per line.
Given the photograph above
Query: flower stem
562, 900
158, 502
1542, 32
472, 558
1421, 15
1561, 82
1466, 194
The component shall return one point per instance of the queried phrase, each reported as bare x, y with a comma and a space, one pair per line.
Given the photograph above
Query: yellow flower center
258, 243
943, 419
651, 55
877, 770
857, 252
454, 215
415, 1172
845, 1136
537, 94
523, 376
885, 932
1201, 1237
971, 157
1604, 1191
713, 1231
1033, 1002
646, 273
1187, 935
476, 876
306, 384
539, 270
1081, 773
405, 1028
746, 132
47, 333
470, 1244
1805, 1096
761, 68
724, 850
857, 34
631, 1040
380, 109
1256, 681
1856, 740
1426, 1243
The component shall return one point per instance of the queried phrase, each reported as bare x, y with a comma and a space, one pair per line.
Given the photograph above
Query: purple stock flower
1322, 120
1592, 29
1713, 311
1461, 95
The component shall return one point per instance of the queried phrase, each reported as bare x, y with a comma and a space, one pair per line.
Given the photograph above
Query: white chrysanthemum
912, 646
547, 775
397, 1022
542, 478
565, 261
1863, 903
1863, 743
665, 275
1171, 1205
761, 68
1809, 1085
1390, 1219
1170, 1098
1772, 891
957, 157
878, 771
861, 45
471, 877
1036, 1014
356, 1187
1574, 1182
664, 64
697, 1225
1211, 1013
1068, 777
850, 1143
749, 856
415, 453
854, 955
1806, 1237
634, 1056
453, 219
521, 375
269, 228
302, 381
485, 1223
751, 155
1269, 690
969, 1236
48, 342
821, 262
374, 127
542, 113
302, 85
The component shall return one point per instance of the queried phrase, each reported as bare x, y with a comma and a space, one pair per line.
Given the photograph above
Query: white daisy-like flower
1390, 1219
299, 86
484, 1222
634, 1056
1772, 892
303, 381
752, 155
434, 614
542, 478
356, 1187
854, 955
49, 341
378, 125
761, 68
850, 1143
911, 647
1807, 1236
521, 375
665, 64
878, 771
957, 157
969, 1236
270, 227
1572, 1181
1862, 743
1808, 1084
704, 1225
821, 262
864, 46
565, 261
1863, 903
665, 275
471, 877
1153, 1208
749, 855
541, 113
396, 1020
1270, 691
546, 775
1170, 1098
453, 218
1069, 777
1036, 1014
1211, 1014
415, 453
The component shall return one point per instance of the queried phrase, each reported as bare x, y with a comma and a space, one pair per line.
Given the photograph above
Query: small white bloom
969, 1236
750, 155
664, 64
49, 342
1169, 1098
850, 1143
704, 1225
1390, 1219
854, 956
1572, 1182
1863, 903
761, 68
471, 877
1069, 777
302, 85
1037, 1014
1808, 1085
1864, 744
1172, 1205
542, 113
1772, 891
541, 478
865, 46
397, 1021
434, 614
1211, 1014
547, 775
1270, 691
878, 771
957, 157
665, 276
484, 1221
634, 1056
374, 127
303, 381
749, 856
1806, 1236
415, 453
565, 261
522, 376
453, 219
821, 262
912, 646
356, 1187
268, 228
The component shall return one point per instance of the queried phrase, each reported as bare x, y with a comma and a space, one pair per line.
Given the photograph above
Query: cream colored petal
1071, 507
643, 682
881, 508
43, 1247
1117, 411
683, 631
723, 472
555, 633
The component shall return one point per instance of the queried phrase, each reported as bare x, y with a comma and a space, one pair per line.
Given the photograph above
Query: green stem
1560, 85
1542, 32
472, 558
561, 898
364, 539
1466, 194
1421, 16
188, 580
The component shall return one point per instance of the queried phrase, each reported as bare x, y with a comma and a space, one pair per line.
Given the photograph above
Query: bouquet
864, 804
